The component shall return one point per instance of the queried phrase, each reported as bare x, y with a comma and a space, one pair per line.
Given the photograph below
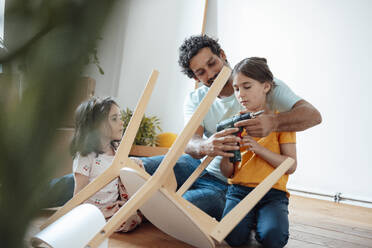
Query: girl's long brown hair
89, 116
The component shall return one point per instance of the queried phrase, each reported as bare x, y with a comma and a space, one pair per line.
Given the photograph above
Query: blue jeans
60, 191
269, 217
207, 192
184, 167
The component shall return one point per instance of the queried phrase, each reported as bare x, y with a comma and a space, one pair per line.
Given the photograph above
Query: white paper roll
74, 230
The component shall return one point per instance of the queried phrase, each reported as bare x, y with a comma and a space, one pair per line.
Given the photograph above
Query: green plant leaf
147, 131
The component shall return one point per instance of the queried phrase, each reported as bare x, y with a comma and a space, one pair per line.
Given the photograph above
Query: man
202, 58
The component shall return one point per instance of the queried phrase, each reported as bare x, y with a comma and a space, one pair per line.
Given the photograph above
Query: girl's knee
240, 235
236, 240
274, 238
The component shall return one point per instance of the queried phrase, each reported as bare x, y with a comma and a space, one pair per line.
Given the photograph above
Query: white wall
154, 31
140, 36
322, 50
110, 49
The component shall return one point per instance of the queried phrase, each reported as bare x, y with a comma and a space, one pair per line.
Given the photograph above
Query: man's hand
219, 143
260, 126
302, 116
216, 145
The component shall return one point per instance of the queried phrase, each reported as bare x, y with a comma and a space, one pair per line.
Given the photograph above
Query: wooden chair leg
186, 185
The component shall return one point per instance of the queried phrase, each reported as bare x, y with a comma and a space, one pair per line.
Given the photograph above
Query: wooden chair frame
163, 183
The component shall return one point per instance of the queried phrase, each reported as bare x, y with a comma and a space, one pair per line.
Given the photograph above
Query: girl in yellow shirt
252, 82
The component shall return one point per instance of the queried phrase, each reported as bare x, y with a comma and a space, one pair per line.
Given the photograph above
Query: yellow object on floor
166, 139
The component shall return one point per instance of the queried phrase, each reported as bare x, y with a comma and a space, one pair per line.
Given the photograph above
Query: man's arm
302, 116
216, 145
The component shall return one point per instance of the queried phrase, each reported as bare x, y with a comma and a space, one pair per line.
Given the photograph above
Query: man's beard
210, 81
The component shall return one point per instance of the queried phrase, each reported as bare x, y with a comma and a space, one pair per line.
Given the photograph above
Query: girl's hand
250, 144
138, 161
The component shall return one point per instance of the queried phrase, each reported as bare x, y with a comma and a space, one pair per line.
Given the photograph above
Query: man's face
206, 65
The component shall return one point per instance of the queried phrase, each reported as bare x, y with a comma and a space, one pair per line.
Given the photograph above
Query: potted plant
147, 131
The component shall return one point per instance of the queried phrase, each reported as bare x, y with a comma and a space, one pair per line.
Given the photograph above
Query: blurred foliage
52, 40
93, 59
147, 131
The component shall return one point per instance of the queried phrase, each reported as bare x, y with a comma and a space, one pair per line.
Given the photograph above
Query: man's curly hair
191, 46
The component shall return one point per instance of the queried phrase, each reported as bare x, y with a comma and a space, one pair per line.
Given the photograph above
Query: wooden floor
313, 224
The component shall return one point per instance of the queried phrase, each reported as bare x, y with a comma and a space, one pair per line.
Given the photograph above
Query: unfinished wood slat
134, 123
147, 151
204, 22
204, 16
186, 185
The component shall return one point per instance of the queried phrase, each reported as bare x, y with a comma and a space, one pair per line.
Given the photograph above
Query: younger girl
98, 129
252, 81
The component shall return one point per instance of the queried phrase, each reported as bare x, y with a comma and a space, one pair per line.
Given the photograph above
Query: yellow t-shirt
252, 170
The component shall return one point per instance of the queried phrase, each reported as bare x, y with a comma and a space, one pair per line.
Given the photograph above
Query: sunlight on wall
322, 50
154, 30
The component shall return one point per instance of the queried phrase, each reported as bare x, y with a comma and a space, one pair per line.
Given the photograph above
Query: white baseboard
339, 197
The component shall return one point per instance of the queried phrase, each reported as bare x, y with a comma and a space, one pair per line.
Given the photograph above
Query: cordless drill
229, 123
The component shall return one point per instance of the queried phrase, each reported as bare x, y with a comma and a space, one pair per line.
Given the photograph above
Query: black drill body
229, 123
